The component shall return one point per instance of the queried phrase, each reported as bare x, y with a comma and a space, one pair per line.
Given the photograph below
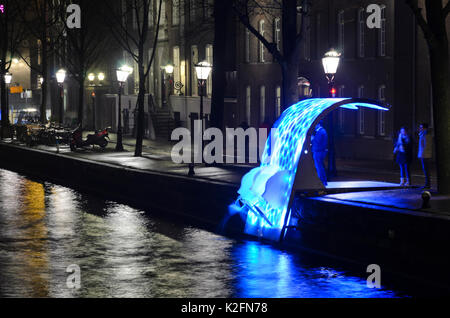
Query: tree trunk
221, 14
140, 119
289, 68
440, 79
289, 73
81, 102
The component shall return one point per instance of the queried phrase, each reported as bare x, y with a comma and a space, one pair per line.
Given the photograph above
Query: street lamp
122, 76
91, 78
101, 77
203, 69
330, 63
8, 78
60, 78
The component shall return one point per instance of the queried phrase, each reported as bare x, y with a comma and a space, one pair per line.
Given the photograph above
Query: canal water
123, 252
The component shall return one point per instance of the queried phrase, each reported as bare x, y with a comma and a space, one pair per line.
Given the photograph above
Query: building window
262, 103
176, 65
175, 12
361, 114
382, 114
194, 61
341, 32
318, 27
341, 114
277, 32
361, 34
248, 104
209, 59
135, 20
261, 45
192, 10
150, 14
163, 11
39, 49
151, 77
382, 33
247, 46
278, 100
209, 9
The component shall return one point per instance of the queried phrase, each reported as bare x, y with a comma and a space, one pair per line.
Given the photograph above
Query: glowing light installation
266, 192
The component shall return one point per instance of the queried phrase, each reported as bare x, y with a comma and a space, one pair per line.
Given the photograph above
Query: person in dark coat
403, 151
320, 149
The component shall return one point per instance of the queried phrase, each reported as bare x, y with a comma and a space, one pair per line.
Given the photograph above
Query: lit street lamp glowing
203, 69
61, 76
123, 73
169, 69
331, 62
101, 77
8, 78
91, 77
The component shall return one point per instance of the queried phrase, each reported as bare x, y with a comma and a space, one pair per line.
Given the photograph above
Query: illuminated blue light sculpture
266, 192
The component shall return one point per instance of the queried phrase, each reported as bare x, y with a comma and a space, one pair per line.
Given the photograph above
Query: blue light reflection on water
269, 272
124, 252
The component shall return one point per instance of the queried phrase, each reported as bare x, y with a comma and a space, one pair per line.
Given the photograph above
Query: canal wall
414, 244
411, 243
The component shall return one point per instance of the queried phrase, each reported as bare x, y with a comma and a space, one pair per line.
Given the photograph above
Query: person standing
403, 151
319, 148
425, 152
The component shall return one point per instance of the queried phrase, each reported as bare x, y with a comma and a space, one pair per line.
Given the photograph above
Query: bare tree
80, 48
433, 25
288, 54
43, 29
133, 39
12, 36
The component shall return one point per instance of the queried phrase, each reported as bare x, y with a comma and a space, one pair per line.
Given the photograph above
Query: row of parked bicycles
53, 134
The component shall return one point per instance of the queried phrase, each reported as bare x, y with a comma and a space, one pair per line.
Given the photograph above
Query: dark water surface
124, 252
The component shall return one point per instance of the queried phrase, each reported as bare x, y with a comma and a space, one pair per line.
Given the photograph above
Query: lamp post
8, 78
60, 78
91, 78
330, 63
122, 76
203, 69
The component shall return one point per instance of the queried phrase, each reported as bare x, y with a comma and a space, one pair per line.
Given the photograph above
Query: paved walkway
156, 157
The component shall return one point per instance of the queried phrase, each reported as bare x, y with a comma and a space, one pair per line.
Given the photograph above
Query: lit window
278, 100
175, 12
194, 61
382, 114
262, 103
248, 104
361, 114
341, 31
361, 34
247, 46
176, 64
209, 59
277, 33
261, 45
382, 33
